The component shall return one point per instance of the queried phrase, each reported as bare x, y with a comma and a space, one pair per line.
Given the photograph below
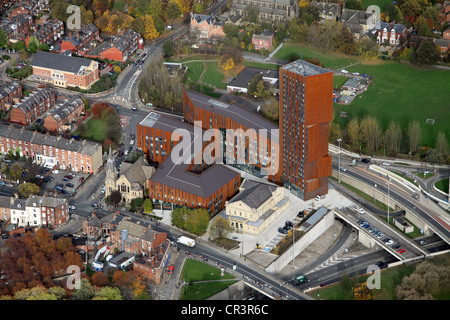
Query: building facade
50, 151
64, 71
10, 93
263, 40
392, 34
61, 117
269, 11
33, 106
306, 108
206, 26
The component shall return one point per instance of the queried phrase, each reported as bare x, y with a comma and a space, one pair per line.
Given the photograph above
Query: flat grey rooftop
304, 68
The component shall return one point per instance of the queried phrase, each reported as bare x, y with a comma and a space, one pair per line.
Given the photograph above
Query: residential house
443, 44
19, 8
10, 93
64, 71
50, 151
54, 211
269, 10
445, 11
392, 34
33, 106
327, 10
37, 211
17, 27
446, 34
120, 47
81, 41
5, 204
255, 207
359, 22
263, 40
206, 26
61, 117
46, 32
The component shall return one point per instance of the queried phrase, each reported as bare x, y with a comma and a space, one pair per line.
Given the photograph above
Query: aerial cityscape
191, 151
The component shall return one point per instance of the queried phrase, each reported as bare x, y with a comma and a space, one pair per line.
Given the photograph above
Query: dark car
81, 179
365, 160
70, 185
282, 230
288, 225
301, 214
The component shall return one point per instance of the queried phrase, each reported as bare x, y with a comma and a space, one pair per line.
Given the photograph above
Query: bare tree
393, 138
371, 133
441, 143
414, 133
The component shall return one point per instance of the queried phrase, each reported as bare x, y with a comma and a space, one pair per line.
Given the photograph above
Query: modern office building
306, 108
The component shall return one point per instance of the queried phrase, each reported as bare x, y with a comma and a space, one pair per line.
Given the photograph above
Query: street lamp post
388, 184
339, 161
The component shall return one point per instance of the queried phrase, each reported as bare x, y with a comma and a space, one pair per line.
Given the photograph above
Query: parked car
344, 71
365, 160
72, 207
282, 230
317, 198
70, 185
134, 109
361, 210
422, 242
401, 250
386, 163
55, 171
81, 179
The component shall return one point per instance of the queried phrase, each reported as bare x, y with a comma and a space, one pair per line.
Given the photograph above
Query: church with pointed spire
131, 180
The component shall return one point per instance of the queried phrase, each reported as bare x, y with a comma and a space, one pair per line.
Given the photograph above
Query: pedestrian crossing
340, 255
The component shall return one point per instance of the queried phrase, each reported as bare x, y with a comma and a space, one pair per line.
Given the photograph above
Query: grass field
442, 185
95, 130
381, 3
203, 280
329, 60
194, 71
403, 93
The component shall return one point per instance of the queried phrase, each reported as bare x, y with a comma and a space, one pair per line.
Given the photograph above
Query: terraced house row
50, 151
34, 211
30, 108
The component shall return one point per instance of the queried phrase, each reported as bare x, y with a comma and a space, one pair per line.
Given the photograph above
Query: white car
361, 210
317, 198
344, 71
343, 169
355, 73
132, 142
72, 207
386, 164
55, 171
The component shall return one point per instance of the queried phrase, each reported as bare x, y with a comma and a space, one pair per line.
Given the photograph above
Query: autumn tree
150, 28
100, 279
442, 143
270, 109
173, 10
98, 108
27, 189
220, 228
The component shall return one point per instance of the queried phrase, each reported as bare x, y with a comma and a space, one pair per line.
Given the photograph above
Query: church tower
111, 175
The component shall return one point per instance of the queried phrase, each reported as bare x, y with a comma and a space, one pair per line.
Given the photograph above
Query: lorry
186, 241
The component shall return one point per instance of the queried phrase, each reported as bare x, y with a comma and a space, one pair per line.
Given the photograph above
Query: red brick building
33, 106
61, 117
176, 181
50, 151
306, 108
54, 211
263, 40
10, 93
206, 26
81, 41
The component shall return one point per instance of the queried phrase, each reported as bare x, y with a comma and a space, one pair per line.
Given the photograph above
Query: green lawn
403, 93
194, 270
329, 60
194, 71
338, 81
96, 130
214, 76
442, 185
203, 280
381, 3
